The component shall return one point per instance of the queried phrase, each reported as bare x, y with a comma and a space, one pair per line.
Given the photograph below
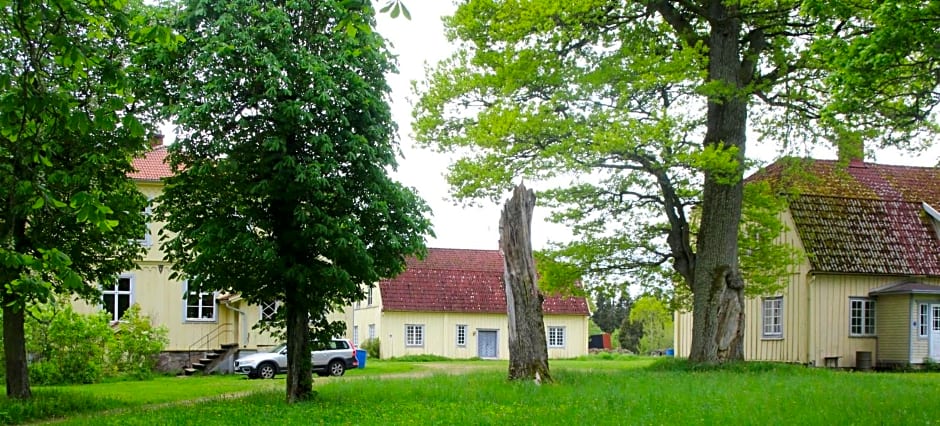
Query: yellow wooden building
212, 323
453, 304
868, 293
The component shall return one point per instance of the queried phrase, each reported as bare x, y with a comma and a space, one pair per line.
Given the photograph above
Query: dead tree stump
528, 351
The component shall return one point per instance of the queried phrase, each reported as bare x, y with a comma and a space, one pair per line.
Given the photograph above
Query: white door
935, 332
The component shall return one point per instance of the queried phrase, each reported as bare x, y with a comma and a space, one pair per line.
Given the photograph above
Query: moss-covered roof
862, 217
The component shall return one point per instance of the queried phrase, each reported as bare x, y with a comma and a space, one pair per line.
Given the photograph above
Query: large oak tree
641, 109
285, 144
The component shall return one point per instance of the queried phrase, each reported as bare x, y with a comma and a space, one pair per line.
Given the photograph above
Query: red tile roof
455, 280
862, 217
152, 166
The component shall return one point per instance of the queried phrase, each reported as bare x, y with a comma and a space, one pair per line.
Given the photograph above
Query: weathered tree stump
528, 351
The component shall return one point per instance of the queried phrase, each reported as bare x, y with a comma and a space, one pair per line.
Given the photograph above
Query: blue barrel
670, 352
361, 357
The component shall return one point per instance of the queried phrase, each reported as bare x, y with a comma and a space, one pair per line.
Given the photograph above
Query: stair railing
204, 341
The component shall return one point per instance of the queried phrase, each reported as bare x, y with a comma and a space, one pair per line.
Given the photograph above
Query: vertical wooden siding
893, 318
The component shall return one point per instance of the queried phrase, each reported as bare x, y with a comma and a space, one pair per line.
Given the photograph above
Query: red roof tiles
863, 218
455, 280
152, 166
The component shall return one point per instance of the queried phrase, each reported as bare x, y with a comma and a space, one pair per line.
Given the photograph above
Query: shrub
66, 347
372, 347
137, 344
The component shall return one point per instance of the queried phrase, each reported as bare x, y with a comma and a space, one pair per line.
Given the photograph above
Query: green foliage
285, 143
72, 117
706, 396
67, 347
609, 314
629, 335
657, 322
137, 344
420, 358
373, 347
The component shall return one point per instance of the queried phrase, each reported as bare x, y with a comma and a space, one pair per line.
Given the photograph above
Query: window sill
201, 320
862, 336
772, 337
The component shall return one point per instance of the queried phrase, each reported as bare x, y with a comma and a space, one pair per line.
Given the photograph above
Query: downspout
243, 321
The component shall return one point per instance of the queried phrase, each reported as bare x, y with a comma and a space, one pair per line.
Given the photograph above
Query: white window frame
414, 335
461, 335
371, 331
200, 306
923, 310
861, 317
147, 240
115, 291
356, 335
369, 297
268, 310
772, 317
556, 336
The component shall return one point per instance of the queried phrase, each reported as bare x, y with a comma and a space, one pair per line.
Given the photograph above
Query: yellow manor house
868, 293
450, 304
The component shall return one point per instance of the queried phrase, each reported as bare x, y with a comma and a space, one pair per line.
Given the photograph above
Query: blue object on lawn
361, 357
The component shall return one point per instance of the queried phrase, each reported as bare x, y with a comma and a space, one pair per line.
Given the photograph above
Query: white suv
334, 359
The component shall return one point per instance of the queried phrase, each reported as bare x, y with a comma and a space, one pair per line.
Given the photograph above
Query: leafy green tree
285, 142
647, 105
656, 322
70, 123
610, 313
629, 335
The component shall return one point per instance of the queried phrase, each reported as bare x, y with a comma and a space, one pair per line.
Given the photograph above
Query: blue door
486, 343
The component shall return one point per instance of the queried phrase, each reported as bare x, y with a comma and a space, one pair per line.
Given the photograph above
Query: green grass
602, 392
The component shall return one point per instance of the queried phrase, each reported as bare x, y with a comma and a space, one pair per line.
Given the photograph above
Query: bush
137, 344
372, 347
66, 347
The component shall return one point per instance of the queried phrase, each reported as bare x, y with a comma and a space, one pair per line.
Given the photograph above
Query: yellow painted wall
920, 345
440, 333
793, 346
893, 318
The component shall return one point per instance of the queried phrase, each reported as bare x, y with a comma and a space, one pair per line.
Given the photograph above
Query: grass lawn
593, 392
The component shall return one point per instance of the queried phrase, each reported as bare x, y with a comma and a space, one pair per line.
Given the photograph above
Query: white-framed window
414, 335
268, 310
461, 335
147, 239
356, 335
861, 316
556, 337
371, 331
200, 306
772, 317
369, 297
924, 319
936, 318
117, 297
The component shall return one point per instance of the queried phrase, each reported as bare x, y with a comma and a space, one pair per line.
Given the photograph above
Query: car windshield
278, 348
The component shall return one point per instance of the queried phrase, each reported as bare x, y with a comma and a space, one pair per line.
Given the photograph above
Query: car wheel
267, 370
336, 368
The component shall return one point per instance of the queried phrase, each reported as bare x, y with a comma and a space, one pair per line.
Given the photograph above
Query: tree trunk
14, 349
718, 297
528, 351
299, 366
